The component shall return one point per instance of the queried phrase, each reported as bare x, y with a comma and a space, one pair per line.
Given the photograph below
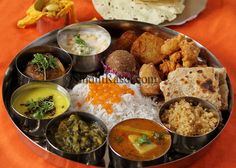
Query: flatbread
207, 83
151, 12
223, 87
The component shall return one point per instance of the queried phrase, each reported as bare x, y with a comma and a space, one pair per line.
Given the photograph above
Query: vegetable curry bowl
136, 141
78, 136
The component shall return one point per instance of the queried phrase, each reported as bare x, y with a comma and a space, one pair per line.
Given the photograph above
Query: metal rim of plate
115, 28
192, 9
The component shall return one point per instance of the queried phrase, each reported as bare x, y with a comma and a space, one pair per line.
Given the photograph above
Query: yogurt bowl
86, 43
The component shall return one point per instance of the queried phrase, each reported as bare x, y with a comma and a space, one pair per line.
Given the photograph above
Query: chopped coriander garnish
80, 41
40, 108
52, 62
84, 47
143, 139
44, 62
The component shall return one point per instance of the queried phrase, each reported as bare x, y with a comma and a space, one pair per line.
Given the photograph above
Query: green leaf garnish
38, 115
44, 62
40, 108
143, 139
83, 46
52, 62
80, 41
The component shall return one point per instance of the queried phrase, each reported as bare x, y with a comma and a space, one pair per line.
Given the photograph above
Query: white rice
131, 106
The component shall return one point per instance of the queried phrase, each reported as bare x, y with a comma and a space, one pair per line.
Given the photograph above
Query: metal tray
115, 27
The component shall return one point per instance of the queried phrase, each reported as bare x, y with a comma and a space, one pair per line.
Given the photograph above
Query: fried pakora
181, 53
172, 45
125, 41
189, 52
171, 64
147, 48
176, 57
149, 80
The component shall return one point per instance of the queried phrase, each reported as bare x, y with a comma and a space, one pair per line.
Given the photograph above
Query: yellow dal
60, 100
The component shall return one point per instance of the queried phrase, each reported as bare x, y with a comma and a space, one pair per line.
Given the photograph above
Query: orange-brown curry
139, 139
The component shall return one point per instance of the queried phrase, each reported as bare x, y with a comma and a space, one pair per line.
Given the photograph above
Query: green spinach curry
74, 135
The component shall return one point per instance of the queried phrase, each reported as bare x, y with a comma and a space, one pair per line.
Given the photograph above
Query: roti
154, 12
207, 83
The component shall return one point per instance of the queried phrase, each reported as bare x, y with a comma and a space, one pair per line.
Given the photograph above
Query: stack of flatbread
207, 83
151, 11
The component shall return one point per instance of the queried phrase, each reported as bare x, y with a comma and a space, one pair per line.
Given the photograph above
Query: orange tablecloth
215, 28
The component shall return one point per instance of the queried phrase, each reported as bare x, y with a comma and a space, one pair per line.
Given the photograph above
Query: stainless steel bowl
94, 157
33, 127
190, 144
27, 55
83, 63
119, 161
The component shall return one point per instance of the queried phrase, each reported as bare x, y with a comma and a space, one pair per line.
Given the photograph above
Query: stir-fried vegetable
75, 135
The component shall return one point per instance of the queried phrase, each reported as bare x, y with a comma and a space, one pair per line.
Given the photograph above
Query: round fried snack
121, 61
147, 48
125, 41
149, 80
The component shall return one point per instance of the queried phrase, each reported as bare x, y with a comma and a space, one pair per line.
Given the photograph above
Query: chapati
207, 83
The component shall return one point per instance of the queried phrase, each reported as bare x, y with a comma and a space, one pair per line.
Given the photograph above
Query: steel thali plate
115, 28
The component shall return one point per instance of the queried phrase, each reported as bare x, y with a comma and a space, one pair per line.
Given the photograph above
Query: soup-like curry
41, 103
139, 139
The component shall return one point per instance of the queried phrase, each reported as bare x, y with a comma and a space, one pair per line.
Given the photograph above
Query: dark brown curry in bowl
44, 63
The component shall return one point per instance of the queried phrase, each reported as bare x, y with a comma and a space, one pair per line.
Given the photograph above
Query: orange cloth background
215, 28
